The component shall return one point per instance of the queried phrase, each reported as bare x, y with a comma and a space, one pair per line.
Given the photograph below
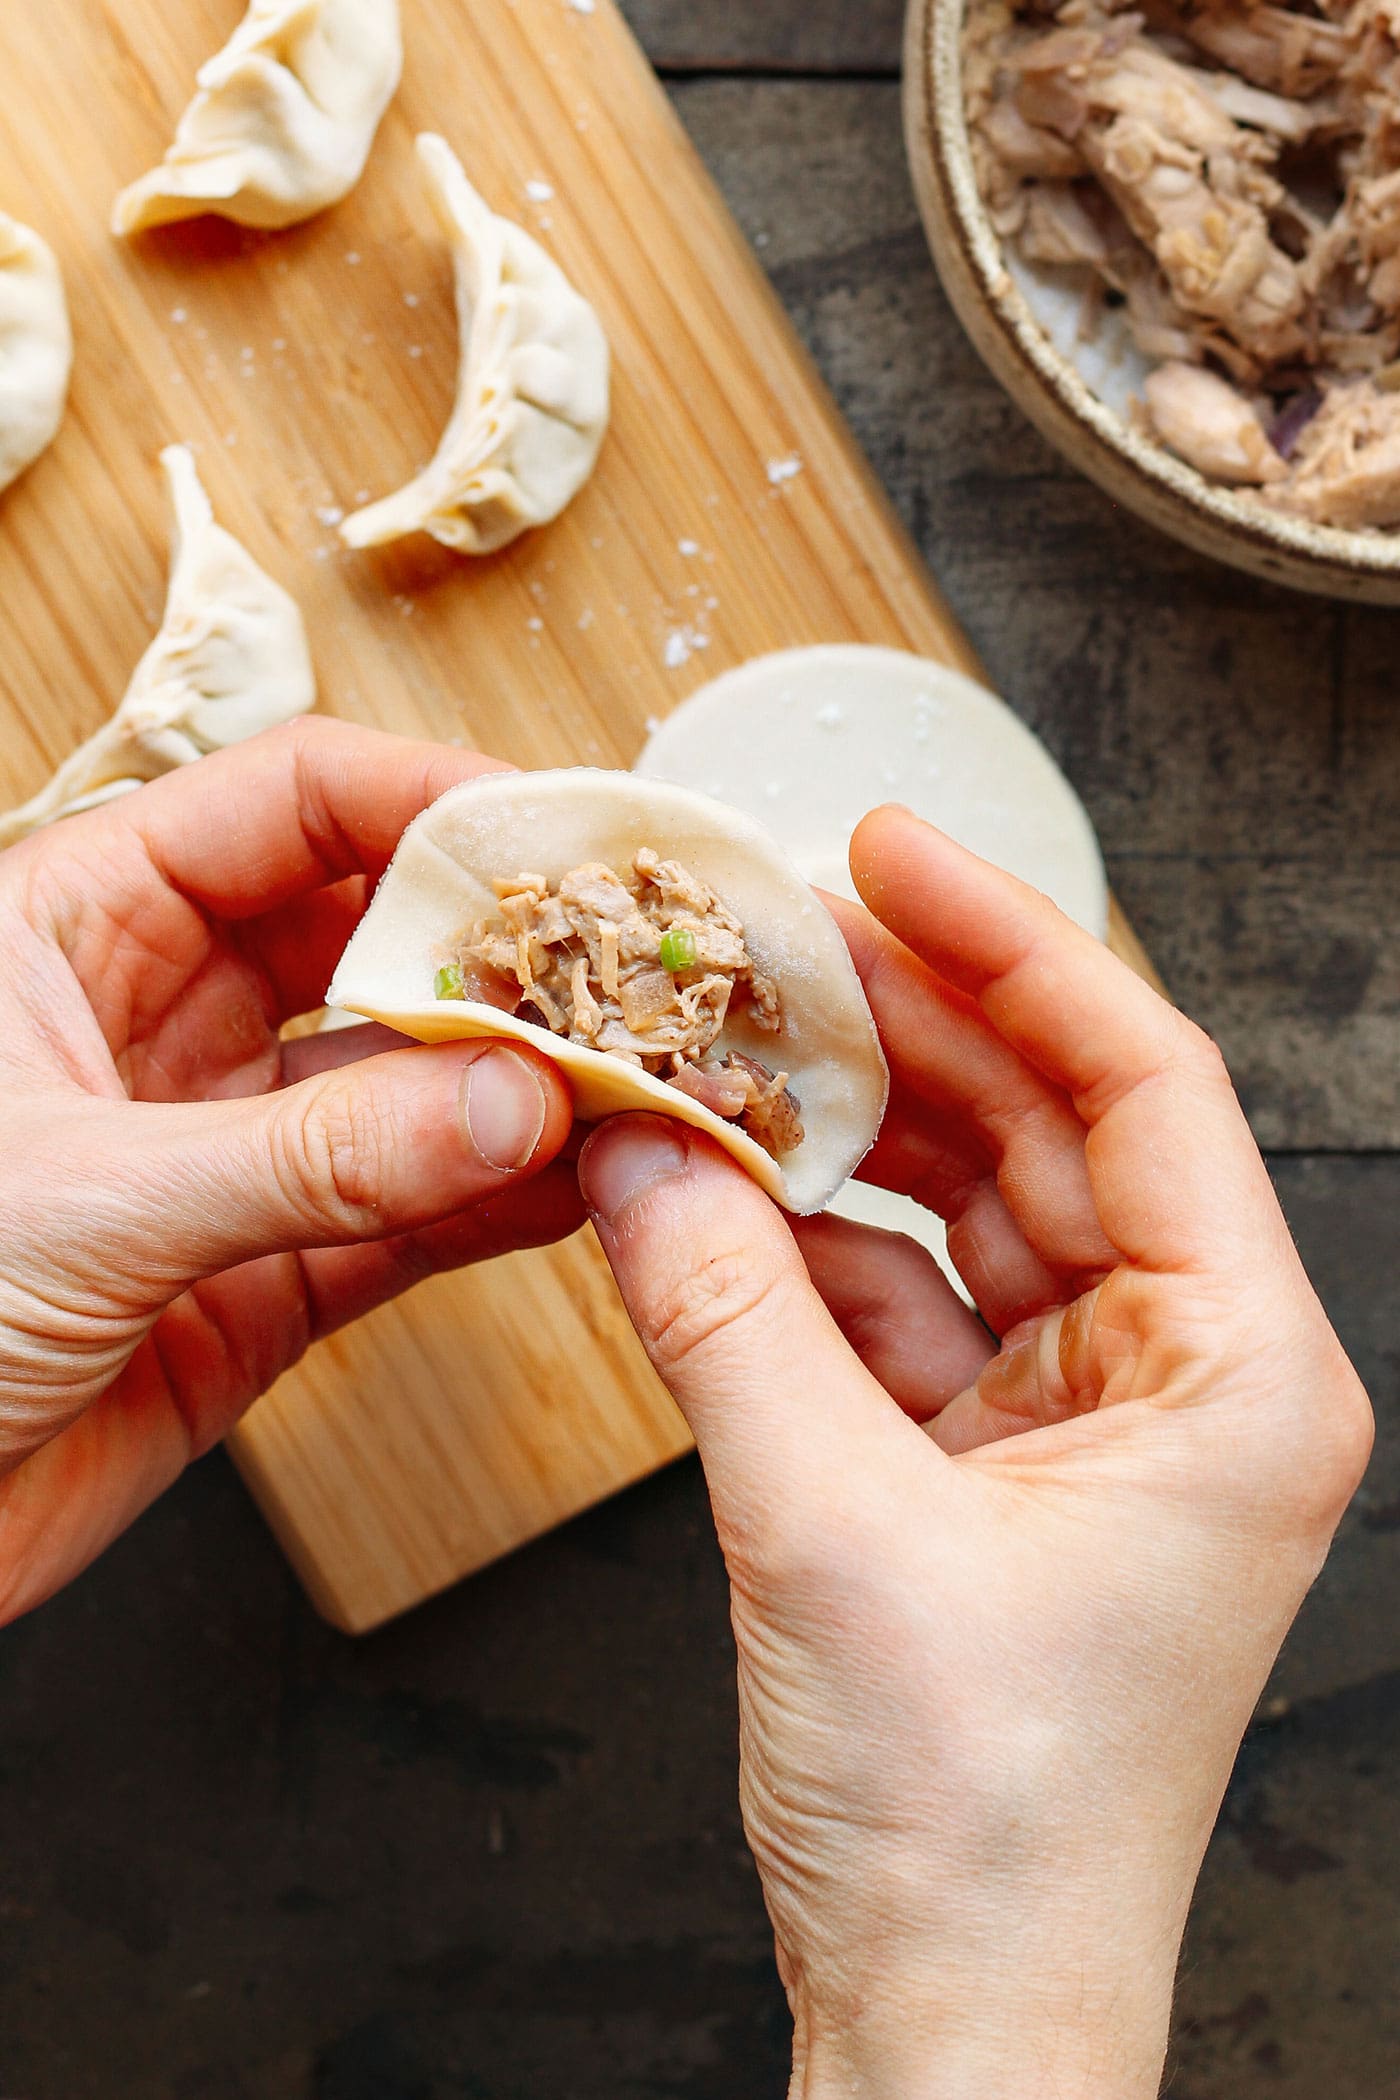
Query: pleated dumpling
230, 659
283, 119
36, 348
658, 946
532, 387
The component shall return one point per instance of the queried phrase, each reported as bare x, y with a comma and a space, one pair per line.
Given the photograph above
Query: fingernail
1010, 1382
504, 1107
623, 1160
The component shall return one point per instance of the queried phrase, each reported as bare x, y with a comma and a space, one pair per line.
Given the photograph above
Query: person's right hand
1003, 1607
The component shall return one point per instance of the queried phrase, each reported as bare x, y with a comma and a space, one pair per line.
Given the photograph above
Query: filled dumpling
36, 348
283, 119
659, 946
532, 388
230, 659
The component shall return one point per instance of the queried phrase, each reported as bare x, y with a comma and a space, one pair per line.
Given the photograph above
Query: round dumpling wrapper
807, 740
439, 884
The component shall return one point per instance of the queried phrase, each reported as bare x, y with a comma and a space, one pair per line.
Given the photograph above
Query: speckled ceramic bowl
1023, 324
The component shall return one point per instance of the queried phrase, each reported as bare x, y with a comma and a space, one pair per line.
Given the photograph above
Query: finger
362, 1152
946, 1058
345, 1282
298, 807
296, 946
329, 1048
1082, 1018
718, 1292
927, 1153
1175, 1174
1008, 1278
897, 1310
1046, 1371
227, 1340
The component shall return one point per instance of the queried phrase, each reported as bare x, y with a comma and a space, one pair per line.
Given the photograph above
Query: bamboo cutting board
312, 369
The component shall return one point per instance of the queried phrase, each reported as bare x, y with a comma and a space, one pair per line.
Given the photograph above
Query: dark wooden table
494, 1851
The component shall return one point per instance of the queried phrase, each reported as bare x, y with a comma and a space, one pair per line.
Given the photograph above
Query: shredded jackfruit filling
1227, 173
648, 966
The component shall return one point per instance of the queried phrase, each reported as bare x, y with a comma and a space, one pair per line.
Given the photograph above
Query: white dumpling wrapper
439, 884
230, 659
808, 740
36, 348
532, 386
283, 119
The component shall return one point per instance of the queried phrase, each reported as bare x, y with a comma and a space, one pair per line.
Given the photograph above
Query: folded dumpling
283, 120
659, 946
230, 659
532, 386
36, 348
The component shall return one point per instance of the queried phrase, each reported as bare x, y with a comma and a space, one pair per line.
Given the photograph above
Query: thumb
716, 1288
360, 1152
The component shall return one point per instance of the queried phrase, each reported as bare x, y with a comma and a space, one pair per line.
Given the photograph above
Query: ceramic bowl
1023, 323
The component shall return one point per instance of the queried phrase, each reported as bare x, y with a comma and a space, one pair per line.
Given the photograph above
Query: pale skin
1003, 1608
189, 1201
1002, 1611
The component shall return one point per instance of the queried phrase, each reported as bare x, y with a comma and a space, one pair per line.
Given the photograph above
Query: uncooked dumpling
36, 348
284, 118
532, 388
410, 961
230, 659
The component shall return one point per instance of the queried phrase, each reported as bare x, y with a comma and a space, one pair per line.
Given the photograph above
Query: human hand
162, 1261
1002, 1611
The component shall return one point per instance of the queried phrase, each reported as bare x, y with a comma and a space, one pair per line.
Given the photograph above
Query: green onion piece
677, 949
449, 982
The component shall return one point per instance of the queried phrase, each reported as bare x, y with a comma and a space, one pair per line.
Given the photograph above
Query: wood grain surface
315, 366
495, 1848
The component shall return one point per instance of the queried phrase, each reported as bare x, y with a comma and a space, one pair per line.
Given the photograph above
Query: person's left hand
162, 1263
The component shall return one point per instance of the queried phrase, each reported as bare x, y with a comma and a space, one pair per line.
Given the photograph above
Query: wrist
998, 2068
1011, 2065
1081, 2038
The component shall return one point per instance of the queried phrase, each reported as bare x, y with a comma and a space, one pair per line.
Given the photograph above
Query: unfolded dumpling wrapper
283, 119
439, 884
36, 348
532, 386
231, 658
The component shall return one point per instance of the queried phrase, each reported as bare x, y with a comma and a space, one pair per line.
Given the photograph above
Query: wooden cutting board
730, 514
